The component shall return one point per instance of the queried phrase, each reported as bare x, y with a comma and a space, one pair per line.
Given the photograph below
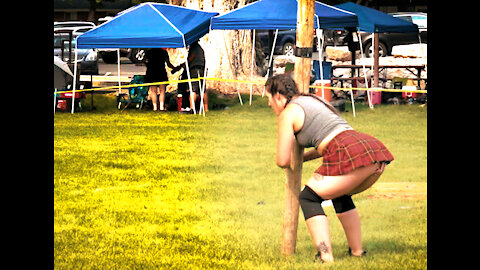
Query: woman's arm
310, 155
285, 138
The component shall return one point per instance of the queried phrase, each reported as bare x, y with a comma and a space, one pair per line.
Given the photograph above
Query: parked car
136, 55
87, 58
285, 43
386, 40
72, 25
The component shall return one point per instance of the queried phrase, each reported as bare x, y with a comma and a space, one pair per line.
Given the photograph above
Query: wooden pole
302, 71
304, 39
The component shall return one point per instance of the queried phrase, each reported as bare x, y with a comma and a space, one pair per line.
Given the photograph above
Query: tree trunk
228, 53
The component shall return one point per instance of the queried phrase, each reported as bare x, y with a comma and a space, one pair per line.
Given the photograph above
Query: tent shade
149, 25
374, 21
281, 14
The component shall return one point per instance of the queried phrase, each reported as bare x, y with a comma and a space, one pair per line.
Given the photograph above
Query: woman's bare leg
320, 232
351, 226
153, 96
162, 96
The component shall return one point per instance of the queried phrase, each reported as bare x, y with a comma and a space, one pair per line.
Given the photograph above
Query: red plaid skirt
350, 150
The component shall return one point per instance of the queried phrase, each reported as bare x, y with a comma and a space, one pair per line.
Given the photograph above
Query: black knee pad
311, 203
343, 204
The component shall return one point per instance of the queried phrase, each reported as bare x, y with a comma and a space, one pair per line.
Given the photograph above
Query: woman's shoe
350, 253
318, 256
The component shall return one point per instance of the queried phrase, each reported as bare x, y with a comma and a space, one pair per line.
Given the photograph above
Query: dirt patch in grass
398, 190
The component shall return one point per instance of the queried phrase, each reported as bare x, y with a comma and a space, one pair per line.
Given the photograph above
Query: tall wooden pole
302, 71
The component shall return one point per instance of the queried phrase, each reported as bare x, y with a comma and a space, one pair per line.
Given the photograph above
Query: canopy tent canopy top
149, 25
373, 21
281, 14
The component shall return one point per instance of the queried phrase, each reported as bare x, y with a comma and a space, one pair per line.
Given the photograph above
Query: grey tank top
319, 121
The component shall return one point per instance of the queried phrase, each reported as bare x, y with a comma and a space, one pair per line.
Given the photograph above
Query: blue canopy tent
374, 21
149, 25
280, 14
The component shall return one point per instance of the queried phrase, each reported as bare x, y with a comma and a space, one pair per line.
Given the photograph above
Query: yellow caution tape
369, 89
233, 81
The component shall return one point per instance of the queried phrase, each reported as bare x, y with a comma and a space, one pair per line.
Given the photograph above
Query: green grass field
144, 190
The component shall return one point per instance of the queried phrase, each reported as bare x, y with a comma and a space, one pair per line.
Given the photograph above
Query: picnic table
356, 72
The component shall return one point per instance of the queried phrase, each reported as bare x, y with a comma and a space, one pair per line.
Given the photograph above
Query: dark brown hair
286, 86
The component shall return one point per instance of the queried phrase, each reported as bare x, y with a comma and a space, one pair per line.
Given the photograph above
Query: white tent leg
230, 65
202, 91
368, 92
364, 68
271, 58
118, 71
201, 95
202, 109
320, 52
54, 100
251, 66
190, 85
421, 49
74, 78
353, 102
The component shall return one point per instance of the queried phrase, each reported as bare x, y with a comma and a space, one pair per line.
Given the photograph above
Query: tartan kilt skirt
350, 150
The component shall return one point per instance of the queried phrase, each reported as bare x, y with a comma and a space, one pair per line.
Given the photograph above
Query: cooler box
376, 97
325, 93
407, 94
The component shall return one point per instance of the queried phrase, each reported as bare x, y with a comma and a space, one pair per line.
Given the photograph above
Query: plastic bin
324, 93
376, 97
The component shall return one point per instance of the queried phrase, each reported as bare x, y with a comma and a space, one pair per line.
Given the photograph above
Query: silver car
87, 59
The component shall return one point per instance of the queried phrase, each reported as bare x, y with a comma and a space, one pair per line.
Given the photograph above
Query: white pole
202, 109
228, 59
353, 102
201, 95
421, 49
54, 100
251, 66
118, 70
363, 64
271, 57
202, 91
320, 52
368, 92
190, 85
74, 78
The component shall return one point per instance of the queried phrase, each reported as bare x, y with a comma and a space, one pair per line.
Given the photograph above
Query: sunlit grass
144, 190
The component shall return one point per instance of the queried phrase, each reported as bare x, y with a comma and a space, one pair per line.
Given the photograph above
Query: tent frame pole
271, 58
74, 78
230, 64
190, 85
118, 71
251, 66
54, 100
373, 70
421, 49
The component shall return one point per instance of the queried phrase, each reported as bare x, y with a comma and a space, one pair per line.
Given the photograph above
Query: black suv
285, 43
386, 40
